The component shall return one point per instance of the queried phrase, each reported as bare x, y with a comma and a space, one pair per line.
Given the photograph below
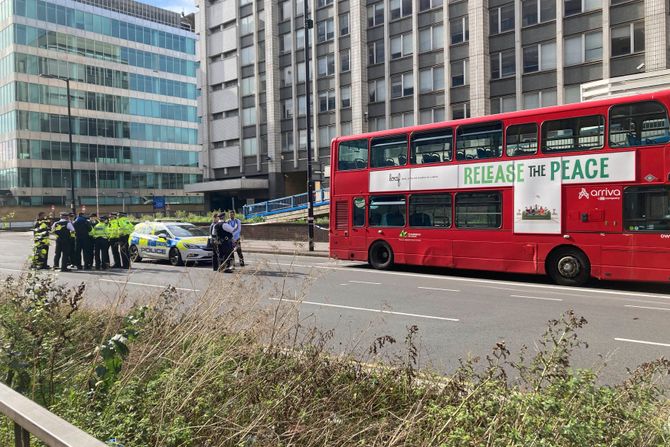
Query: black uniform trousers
124, 253
83, 251
215, 255
225, 254
101, 253
114, 244
64, 251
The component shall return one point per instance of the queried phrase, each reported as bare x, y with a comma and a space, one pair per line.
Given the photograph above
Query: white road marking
344, 284
642, 342
12, 270
365, 309
648, 307
438, 289
536, 298
366, 282
484, 281
149, 285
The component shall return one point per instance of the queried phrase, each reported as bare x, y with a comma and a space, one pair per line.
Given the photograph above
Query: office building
385, 64
132, 70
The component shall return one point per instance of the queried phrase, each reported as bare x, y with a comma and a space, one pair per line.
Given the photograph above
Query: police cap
64, 214
222, 215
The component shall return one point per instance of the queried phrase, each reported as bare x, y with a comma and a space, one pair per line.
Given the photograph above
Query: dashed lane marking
647, 307
439, 289
365, 309
366, 282
536, 298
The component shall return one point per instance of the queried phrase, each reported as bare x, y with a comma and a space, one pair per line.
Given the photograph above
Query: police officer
211, 242
40, 242
100, 235
114, 238
126, 228
223, 243
63, 230
82, 228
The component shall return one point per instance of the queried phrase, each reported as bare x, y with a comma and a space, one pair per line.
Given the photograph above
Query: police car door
160, 241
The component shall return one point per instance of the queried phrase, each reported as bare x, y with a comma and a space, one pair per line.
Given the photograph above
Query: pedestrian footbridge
289, 208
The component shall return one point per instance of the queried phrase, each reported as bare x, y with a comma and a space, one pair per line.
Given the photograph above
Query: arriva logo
600, 194
583, 194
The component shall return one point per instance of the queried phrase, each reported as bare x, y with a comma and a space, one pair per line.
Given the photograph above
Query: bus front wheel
380, 256
569, 267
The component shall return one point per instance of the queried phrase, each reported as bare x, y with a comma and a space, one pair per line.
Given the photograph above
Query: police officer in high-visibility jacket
100, 235
125, 230
40, 242
114, 232
64, 232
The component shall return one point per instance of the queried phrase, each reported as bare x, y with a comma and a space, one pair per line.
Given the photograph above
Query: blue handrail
285, 204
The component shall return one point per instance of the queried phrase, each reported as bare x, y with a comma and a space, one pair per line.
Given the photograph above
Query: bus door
387, 221
358, 236
348, 229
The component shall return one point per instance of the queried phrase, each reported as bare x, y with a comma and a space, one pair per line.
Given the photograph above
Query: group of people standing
225, 241
82, 242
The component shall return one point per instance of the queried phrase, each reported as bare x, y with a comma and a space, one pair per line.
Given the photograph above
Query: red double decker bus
573, 191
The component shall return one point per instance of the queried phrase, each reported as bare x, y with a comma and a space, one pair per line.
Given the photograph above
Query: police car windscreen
186, 230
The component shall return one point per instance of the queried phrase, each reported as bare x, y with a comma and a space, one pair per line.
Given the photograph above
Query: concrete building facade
132, 70
382, 64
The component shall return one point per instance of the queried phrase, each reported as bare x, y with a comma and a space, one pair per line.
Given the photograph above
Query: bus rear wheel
380, 256
569, 267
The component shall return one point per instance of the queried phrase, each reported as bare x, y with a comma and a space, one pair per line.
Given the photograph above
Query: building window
246, 25
345, 96
402, 85
479, 209
430, 210
326, 135
300, 7
377, 90
344, 24
327, 101
459, 30
302, 139
325, 30
376, 14
573, 134
248, 86
571, 7
302, 105
217, 116
539, 57
537, 11
401, 46
249, 147
326, 65
428, 116
459, 73
300, 68
501, 19
572, 94
322, 3
287, 108
377, 123
460, 111
286, 43
431, 38
400, 8
583, 48
541, 98
287, 76
431, 79
345, 128
300, 39
503, 104
287, 141
627, 39
247, 55
425, 5
503, 64
376, 52
345, 64
285, 8
249, 116
399, 120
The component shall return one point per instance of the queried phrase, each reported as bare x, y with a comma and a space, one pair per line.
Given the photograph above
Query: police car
178, 242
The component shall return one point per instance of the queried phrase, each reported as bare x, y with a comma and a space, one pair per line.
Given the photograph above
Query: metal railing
286, 204
31, 418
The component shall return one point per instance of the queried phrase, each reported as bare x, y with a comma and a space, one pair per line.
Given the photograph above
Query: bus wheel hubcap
568, 267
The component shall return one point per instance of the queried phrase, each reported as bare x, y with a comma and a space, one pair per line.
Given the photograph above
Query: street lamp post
69, 131
123, 195
309, 24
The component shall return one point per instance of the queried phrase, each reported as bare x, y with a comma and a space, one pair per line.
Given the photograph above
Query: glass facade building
132, 70
383, 64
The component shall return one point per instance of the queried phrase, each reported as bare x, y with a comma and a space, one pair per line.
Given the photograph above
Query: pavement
285, 248
459, 314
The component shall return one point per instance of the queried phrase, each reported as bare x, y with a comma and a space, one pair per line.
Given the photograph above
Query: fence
30, 418
286, 204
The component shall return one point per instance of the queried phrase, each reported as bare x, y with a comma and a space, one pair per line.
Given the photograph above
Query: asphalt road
459, 314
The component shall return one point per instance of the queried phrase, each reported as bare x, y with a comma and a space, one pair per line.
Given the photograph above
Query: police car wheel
175, 257
135, 254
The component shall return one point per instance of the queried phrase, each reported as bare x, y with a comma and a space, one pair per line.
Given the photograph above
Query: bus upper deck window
638, 124
581, 133
521, 140
388, 151
432, 147
352, 155
479, 141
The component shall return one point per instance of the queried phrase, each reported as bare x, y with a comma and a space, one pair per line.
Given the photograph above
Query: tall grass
227, 369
